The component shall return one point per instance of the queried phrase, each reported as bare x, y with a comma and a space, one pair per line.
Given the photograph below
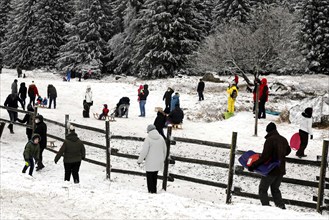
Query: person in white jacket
305, 130
154, 153
87, 102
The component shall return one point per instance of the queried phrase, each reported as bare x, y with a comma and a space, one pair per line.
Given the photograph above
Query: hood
23, 84
146, 86
34, 136
40, 117
175, 96
269, 134
264, 81
308, 113
72, 136
141, 87
154, 134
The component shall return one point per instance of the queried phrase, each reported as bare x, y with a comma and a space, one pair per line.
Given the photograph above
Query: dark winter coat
31, 150
22, 91
12, 101
144, 93
41, 129
160, 121
51, 92
167, 96
72, 149
14, 86
123, 100
176, 116
200, 86
276, 147
27, 119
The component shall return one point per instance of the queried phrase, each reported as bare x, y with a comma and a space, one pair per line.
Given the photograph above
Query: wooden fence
232, 168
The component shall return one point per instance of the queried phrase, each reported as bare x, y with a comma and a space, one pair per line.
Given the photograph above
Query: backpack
234, 94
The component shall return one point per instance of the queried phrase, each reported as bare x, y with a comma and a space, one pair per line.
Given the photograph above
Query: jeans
50, 101
31, 165
274, 182
152, 178
142, 107
72, 168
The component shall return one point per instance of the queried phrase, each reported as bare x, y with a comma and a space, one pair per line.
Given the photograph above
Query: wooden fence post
324, 162
231, 169
67, 119
166, 165
2, 126
108, 149
33, 118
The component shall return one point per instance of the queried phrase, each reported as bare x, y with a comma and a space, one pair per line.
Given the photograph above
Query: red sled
249, 157
295, 142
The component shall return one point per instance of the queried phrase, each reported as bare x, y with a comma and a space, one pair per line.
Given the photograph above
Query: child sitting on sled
105, 113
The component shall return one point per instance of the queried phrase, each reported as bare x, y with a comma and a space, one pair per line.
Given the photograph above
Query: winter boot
10, 126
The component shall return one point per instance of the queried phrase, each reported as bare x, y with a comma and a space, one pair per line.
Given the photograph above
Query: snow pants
230, 105
274, 182
72, 168
303, 142
152, 178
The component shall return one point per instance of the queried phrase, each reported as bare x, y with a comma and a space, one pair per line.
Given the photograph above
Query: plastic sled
295, 142
272, 112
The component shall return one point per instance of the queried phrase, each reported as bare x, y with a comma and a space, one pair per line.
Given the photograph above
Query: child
39, 100
44, 102
105, 112
304, 131
31, 151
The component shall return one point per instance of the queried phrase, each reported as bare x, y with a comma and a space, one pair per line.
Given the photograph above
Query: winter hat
70, 127
105, 105
150, 128
270, 127
309, 111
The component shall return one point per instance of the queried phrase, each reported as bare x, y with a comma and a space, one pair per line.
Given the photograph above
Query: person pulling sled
122, 107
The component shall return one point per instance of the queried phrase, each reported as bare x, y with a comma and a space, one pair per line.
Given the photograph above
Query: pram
122, 107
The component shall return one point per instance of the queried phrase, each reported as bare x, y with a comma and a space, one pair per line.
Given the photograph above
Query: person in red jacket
105, 112
263, 98
33, 92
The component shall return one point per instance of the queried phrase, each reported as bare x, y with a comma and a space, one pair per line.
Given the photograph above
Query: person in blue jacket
174, 101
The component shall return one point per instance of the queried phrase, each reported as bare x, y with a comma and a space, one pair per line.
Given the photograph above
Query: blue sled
263, 169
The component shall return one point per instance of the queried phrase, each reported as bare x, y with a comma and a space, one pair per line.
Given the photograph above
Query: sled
109, 117
177, 126
158, 109
295, 141
272, 112
247, 158
227, 115
51, 144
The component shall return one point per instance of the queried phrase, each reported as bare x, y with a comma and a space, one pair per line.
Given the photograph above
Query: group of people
73, 73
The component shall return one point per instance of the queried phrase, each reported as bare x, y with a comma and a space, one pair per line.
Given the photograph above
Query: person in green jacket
31, 151
73, 152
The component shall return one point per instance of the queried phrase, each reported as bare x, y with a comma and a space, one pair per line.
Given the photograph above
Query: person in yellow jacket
232, 92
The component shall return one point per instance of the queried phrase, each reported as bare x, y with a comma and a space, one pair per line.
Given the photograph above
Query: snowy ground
125, 197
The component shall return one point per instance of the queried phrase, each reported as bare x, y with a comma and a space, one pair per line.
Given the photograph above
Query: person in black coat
12, 101
176, 116
142, 100
22, 92
28, 120
200, 90
160, 122
52, 95
41, 129
167, 97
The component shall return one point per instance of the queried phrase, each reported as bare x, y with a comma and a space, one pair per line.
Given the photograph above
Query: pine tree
85, 43
315, 35
5, 8
169, 34
118, 11
48, 32
227, 10
18, 46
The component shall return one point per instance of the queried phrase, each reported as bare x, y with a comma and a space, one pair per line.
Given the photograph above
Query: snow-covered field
125, 197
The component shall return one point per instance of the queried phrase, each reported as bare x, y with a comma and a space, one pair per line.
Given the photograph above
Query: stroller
122, 107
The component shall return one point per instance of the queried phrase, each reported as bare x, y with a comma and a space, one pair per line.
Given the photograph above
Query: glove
27, 163
311, 136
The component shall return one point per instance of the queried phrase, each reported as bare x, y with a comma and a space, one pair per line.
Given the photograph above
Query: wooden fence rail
16, 110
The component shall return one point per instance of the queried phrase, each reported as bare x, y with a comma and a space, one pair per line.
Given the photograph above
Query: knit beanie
150, 128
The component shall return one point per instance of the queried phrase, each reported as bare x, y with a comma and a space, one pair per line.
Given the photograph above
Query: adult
305, 130
160, 122
41, 129
154, 153
87, 102
176, 116
275, 147
122, 107
68, 75
19, 71
14, 87
52, 95
254, 92
167, 97
28, 120
31, 151
32, 92
200, 89
174, 101
232, 92
73, 152
22, 92
142, 100
263, 98
12, 102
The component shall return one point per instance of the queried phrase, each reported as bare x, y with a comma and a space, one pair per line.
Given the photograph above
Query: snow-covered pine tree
315, 35
49, 30
118, 11
4, 17
18, 46
204, 8
228, 10
83, 49
169, 34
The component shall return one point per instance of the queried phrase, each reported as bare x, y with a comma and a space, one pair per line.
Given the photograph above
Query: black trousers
200, 93
32, 100
261, 110
72, 168
40, 164
50, 101
274, 182
303, 142
152, 178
